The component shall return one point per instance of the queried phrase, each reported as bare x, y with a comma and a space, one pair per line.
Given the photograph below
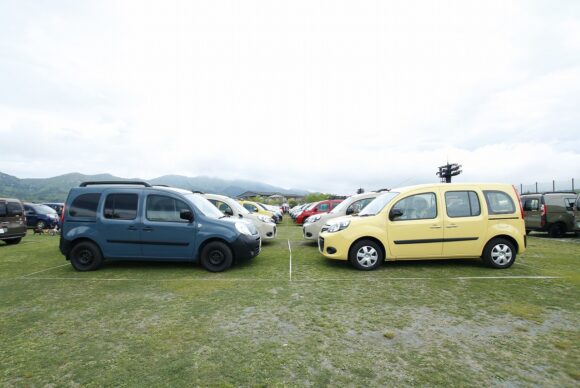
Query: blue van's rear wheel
85, 256
216, 256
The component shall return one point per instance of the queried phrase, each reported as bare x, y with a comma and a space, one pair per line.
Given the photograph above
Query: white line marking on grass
44, 270
290, 249
298, 281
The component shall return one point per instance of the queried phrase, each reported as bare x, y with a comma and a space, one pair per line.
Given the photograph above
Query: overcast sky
320, 95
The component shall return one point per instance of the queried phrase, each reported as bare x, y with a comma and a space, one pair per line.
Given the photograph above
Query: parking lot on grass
290, 317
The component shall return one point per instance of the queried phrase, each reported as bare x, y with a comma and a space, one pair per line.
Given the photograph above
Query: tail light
519, 202
62, 215
544, 210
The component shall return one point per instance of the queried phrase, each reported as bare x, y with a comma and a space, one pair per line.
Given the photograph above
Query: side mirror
349, 211
229, 212
186, 215
395, 213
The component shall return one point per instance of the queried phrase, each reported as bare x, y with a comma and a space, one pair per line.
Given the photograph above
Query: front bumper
333, 246
267, 230
246, 247
310, 231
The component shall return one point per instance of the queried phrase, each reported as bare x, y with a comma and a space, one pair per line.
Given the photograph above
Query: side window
165, 209
357, 206
569, 202
462, 204
251, 208
225, 208
323, 207
499, 202
3, 209
85, 205
121, 206
417, 207
14, 209
532, 204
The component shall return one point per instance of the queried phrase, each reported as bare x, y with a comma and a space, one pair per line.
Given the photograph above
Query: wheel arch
505, 237
210, 240
79, 240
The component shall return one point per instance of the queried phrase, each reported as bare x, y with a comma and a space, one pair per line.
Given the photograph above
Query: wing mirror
228, 212
395, 213
186, 215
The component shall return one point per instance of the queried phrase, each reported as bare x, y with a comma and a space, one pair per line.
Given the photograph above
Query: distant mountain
56, 189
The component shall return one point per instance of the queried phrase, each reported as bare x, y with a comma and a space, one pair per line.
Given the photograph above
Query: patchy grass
175, 324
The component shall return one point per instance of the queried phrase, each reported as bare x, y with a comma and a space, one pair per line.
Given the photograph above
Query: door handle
147, 229
131, 228
435, 227
451, 226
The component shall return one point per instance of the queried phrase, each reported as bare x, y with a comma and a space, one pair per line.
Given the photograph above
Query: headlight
338, 226
313, 219
243, 228
264, 219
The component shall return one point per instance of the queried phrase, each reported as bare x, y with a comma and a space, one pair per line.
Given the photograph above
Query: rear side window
85, 205
3, 210
165, 209
531, 204
462, 204
121, 206
499, 202
14, 209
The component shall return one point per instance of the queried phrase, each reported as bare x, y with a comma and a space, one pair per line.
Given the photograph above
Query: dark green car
12, 220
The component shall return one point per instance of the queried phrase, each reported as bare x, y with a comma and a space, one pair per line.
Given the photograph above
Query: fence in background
552, 186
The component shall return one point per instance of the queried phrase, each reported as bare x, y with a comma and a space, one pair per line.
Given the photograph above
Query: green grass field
321, 323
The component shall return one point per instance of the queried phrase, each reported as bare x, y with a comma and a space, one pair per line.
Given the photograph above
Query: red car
317, 207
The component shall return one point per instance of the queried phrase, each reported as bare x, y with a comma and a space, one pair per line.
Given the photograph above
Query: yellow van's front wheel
366, 255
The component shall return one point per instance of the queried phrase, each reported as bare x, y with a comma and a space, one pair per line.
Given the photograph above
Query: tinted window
462, 204
417, 207
532, 204
14, 209
165, 209
121, 206
85, 205
3, 209
499, 202
323, 207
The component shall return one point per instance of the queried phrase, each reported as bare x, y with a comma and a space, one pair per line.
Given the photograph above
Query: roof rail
93, 183
381, 190
161, 186
197, 192
552, 192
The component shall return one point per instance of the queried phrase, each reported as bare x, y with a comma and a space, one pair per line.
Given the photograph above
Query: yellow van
255, 207
431, 222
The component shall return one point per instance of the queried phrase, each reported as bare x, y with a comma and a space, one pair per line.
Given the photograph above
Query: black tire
528, 231
86, 256
13, 241
216, 256
557, 230
366, 255
499, 253
40, 225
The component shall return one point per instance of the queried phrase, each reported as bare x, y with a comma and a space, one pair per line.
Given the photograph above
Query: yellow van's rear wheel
499, 253
366, 255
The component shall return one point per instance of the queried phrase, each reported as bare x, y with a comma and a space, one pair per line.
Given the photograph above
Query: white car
231, 207
351, 205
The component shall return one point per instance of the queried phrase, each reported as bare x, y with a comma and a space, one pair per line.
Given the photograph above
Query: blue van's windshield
377, 204
204, 206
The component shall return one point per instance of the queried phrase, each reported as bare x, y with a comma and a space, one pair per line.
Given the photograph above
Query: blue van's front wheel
85, 256
216, 256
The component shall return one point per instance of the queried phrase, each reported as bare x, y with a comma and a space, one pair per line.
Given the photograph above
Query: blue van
132, 220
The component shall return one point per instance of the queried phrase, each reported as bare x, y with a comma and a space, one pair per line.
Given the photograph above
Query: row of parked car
131, 220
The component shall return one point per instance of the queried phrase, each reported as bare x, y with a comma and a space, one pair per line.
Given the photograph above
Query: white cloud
323, 95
